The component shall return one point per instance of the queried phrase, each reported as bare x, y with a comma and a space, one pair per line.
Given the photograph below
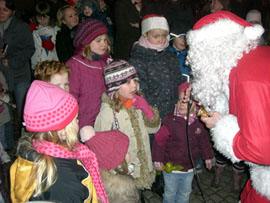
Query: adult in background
231, 79
17, 46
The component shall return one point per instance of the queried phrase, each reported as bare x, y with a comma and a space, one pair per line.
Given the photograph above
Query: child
178, 45
67, 20
90, 9
124, 110
44, 35
52, 164
6, 128
170, 145
54, 72
157, 66
86, 79
111, 149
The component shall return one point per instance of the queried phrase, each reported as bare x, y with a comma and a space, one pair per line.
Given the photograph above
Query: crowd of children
98, 128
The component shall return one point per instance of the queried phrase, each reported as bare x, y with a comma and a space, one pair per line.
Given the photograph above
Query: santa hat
48, 107
110, 148
153, 21
221, 24
254, 16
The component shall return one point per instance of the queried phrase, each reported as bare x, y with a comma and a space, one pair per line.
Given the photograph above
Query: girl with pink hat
86, 79
52, 164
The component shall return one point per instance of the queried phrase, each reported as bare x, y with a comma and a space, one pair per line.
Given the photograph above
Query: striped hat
118, 73
87, 31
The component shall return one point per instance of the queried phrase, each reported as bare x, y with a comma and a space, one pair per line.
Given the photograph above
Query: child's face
156, 36
179, 43
128, 89
60, 80
183, 106
43, 20
71, 18
87, 11
100, 44
215, 6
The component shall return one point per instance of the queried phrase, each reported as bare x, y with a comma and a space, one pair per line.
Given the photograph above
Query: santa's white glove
6, 98
86, 133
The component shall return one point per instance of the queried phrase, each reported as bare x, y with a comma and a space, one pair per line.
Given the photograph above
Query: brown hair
44, 9
46, 69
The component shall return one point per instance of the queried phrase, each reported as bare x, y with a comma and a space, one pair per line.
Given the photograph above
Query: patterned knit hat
87, 31
110, 148
153, 21
48, 107
118, 73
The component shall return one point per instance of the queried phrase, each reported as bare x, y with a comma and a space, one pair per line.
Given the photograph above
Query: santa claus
232, 79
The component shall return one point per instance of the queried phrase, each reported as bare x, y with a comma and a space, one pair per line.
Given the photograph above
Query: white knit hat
254, 16
154, 21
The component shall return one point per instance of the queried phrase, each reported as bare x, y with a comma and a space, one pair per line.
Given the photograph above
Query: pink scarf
146, 44
81, 153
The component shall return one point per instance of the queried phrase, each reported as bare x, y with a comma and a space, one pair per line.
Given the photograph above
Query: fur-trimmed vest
137, 127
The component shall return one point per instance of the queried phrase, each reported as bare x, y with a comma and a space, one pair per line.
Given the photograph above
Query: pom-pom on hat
254, 16
87, 31
153, 21
110, 148
183, 87
222, 24
48, 107
118, 73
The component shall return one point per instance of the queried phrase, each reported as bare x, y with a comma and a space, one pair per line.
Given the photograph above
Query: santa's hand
210, 121
86, 133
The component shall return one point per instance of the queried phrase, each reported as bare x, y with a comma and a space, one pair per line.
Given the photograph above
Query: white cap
254, 16
153, 21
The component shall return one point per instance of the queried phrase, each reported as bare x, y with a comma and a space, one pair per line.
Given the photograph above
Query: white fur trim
254, 32
223, 134
154, 22
221, 28
260, 179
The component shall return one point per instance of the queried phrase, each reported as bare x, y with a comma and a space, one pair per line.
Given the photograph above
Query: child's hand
86, 133
208, 165
141, 103
158, 166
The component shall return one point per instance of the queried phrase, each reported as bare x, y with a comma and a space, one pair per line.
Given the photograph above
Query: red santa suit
240, 91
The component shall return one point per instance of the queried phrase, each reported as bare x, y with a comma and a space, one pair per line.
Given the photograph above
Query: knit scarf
81, 153
126, 102
146, 44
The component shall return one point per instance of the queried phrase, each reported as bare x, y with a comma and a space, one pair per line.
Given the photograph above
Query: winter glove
141, 103
47, 42
6, 98
162, 135
86, 133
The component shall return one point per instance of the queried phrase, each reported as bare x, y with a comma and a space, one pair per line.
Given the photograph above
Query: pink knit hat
110, 148
48, 107
87, 31
183, 87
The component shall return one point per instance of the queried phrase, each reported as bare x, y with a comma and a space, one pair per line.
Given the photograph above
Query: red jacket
249, 85
87, 85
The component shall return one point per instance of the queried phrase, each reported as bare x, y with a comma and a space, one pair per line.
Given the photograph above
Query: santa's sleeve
246, 134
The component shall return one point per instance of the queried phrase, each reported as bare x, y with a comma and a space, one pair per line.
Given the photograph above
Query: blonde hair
45, 172
61, 14
46, 69
87, 52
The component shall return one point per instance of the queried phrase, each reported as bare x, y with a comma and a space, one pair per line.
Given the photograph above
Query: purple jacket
87, 85
175, 148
